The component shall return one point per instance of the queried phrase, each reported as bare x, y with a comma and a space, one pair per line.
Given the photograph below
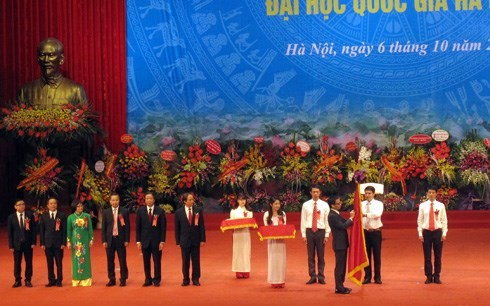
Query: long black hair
280, 212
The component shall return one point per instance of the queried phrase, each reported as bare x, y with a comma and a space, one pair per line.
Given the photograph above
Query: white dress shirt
307, 216
373, 211
239, 212
439, 216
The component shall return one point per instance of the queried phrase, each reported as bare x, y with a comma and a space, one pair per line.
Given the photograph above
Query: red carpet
464, 272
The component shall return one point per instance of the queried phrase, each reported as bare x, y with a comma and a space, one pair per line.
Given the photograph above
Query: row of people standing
75, 232
316, 220
319, 219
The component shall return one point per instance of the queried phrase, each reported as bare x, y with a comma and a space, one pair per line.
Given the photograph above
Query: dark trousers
26, 251
373, 249
152, 251
340, 267
188, 254
54, 255
432, 241
315, 243
117, 246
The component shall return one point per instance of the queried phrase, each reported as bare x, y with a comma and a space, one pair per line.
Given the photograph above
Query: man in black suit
340, 242
190, 234
22, 239
115, 238
52, 226
151, 231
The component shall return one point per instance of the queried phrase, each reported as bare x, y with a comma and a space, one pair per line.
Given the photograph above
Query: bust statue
52, 90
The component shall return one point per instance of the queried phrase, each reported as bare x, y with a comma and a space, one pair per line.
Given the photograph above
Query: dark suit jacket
187, 235
108, 223
48, 235
14, 231
146, 233
339, 226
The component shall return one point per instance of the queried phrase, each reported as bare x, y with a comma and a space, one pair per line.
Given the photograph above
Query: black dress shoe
110, 283
343, 291
428, 280
366, 281
196, 283
378, 281
28, 284
321, 282
59, 284
185, 283
311, 281
146, 284
50, 285
16, 284
122, 283
437, 280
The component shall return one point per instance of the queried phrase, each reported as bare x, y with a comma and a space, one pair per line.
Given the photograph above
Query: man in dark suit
115, 238
22, 239
190, 234
53, 241
340, 242
151, 231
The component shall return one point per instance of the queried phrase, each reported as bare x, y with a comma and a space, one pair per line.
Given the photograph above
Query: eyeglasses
20, 204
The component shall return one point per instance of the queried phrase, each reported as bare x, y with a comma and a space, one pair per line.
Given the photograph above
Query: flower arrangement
134, 197
228, 200
474, 164
448, 196
132, 164
196, 167
292, 200
257, 168
38, 211
167, 208
260, 200
42, 174
326, 168
230, 169
394, 202
294, 167
160, 181
442, 168
69, 122
415, 164
97, 187
362, 168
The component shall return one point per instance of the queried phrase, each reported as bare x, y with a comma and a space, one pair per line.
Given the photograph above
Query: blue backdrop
205, 69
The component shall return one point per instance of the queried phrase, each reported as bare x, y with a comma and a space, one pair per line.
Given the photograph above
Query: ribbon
57, 225
121, 219
394, 172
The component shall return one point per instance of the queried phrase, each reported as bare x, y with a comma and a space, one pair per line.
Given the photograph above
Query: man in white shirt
372, 210
315, 232
432, 228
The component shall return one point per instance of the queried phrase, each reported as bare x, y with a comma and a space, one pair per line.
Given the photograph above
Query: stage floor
464, 275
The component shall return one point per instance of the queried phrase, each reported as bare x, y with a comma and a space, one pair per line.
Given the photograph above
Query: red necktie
150, 215
189, 216
314, 222
114, 225
431, 217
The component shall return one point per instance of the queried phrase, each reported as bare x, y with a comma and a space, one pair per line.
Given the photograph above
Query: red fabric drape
94, 36
357, 259
93, 32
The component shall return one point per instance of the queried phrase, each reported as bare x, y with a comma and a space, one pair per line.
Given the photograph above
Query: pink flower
277, 141
168, 140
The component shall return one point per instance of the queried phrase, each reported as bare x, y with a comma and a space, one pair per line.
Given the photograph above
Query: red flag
358, 259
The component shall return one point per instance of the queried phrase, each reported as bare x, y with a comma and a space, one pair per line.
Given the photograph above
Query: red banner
358, 259
277, 232
237, 223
